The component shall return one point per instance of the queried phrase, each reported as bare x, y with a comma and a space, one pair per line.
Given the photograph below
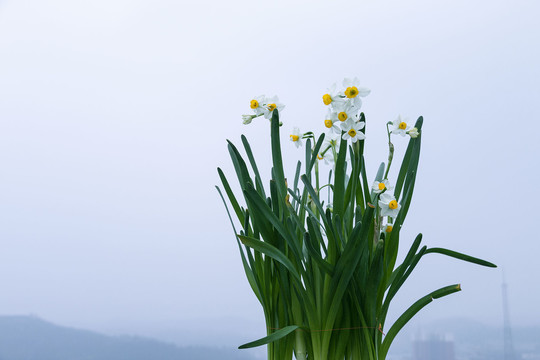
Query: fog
114, 116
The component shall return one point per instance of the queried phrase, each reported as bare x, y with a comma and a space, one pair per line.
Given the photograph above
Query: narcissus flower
331, 96
328, 157
296, 137
389, 205
246, 119
378, 187
400, 126
257, 104
344, 111
270, 105
331, 122
354, 91
388, 228
352, 130
413, 133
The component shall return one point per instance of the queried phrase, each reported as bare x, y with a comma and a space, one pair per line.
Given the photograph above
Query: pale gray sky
114, 115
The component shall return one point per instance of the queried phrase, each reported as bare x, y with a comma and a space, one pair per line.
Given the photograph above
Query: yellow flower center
382, 186
388, 228
271, 107
328, 123
351, 92
392, 204
319, 157
327, 99
254, 104
295, 137
402, 125
342, 116
352, 133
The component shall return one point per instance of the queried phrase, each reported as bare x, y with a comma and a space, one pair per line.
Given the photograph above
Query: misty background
114, 116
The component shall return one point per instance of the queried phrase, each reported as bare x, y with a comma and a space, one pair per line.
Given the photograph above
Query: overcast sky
114, 115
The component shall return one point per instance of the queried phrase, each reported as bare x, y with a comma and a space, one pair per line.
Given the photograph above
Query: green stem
390, 153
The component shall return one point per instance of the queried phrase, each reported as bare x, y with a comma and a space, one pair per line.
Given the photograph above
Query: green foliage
326, 277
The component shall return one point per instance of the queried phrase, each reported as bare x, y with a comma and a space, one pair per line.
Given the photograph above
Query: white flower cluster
344, 110
262, 105
343, 122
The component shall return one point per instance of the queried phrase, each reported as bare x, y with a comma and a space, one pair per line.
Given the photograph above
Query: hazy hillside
472, 340
30, 338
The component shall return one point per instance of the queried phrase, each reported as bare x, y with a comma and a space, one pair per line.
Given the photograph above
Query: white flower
248, 118
413, 133
354, 91
389, 205
387, 228
332, 96
343, 111
256, 104
352, 130
378, 187
328, 156
329, 149
296, 137
270, 104
400, 126
331, 122
330, 140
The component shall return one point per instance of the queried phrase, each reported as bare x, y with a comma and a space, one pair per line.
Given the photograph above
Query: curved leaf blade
270, 338
460, 256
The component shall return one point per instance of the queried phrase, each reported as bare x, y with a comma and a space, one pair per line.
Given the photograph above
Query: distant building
433, 348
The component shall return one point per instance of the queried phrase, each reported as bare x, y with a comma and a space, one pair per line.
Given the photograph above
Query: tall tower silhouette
509, 353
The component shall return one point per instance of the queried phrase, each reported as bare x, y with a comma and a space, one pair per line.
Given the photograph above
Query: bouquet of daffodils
325, 272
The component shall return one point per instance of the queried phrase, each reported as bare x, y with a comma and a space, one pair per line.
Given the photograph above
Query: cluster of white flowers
262, 105
343, 122
343, 116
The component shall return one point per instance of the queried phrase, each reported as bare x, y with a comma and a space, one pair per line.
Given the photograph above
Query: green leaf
314, 154
271, 251
249, 153
276, 155
281, 333
247, 269
297, 176
230, 195
239, 166
460, 256
323, 264
264, 215
339, 180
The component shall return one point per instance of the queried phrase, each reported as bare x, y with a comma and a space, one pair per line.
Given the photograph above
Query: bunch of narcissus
325, 272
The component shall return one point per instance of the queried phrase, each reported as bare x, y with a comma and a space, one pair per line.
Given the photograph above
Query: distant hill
472, 339
30, 338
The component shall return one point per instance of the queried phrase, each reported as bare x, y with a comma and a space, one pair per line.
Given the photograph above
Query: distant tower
508, 345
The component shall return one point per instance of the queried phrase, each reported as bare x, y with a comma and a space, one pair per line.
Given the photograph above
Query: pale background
114, 115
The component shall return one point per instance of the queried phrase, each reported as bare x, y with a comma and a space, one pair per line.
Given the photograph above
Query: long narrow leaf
460, 256
281, 333
271, 251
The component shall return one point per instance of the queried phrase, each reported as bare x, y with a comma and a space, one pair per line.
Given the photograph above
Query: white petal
362, 91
